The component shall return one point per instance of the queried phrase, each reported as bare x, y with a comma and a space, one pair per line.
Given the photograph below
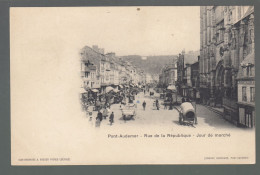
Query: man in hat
111, 118
144, 105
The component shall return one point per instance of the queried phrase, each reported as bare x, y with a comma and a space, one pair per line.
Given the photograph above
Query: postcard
132, 85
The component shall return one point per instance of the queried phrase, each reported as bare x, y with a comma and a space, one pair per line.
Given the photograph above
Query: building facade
246, 92
99, 70
226, 38
168, 75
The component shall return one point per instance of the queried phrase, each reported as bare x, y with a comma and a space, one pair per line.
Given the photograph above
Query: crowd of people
102, 103
127, 96
103, 115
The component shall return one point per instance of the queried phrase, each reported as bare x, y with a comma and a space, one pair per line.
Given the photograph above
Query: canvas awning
82, 90
171, 87
109, 88
94, 90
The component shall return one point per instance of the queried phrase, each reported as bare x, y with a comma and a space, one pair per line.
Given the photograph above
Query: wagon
186, 114
128, 111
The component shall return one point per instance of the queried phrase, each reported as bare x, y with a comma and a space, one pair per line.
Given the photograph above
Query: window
248, 118
92, 75
252, 94
251, 35
86, 74
245, 71
249, 71
244, 98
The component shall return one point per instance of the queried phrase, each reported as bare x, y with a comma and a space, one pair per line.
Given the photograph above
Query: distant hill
154, 64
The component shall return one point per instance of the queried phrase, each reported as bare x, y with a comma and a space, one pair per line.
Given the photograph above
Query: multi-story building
168, 75
226, 38
190, 86
89, 75
246, 92
90, 68
100, 70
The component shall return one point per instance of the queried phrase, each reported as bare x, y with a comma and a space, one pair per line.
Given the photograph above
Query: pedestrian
99, 116
144, 91
196, 120
98, 119
144, 105
105, 113
165, 106
157, 104
111, 118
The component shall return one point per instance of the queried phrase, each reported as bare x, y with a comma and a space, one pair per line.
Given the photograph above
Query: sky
124, 30
148, 31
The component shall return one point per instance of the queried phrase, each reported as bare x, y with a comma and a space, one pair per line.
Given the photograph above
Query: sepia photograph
132, 85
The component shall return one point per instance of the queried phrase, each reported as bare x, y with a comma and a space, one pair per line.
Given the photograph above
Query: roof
191, 58
249, 60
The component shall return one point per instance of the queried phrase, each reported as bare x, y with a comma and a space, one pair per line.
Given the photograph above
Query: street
163, 118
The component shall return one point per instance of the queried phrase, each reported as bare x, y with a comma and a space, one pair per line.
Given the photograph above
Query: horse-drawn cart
128, 111
187, 115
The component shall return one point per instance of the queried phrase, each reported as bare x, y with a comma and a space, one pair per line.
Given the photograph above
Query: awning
171, 87
94, 90
249, 60
115, 90
109, 88
82, 90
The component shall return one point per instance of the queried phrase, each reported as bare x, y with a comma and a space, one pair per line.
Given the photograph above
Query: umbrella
109, 88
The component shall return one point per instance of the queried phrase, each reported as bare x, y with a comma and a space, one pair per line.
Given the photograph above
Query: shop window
248, 118
252, 94
244, 97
